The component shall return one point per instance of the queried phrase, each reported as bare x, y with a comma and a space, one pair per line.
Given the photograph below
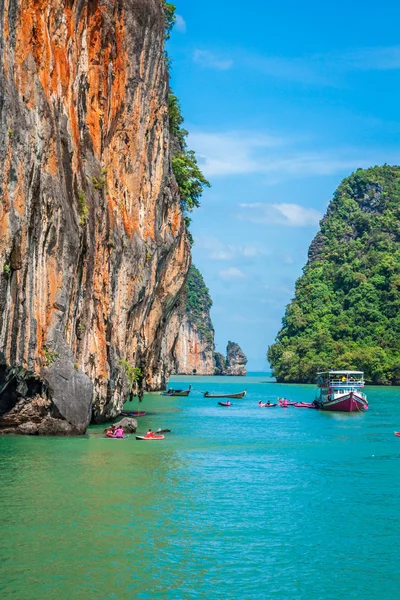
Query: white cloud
231, 153
291, 215
210, 60
232, 273
218, 250
274, 156
180, 24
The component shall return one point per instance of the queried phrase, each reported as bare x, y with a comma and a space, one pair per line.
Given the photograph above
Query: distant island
346, 309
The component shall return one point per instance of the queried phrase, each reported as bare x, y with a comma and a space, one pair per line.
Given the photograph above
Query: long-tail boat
238, 395
172, 392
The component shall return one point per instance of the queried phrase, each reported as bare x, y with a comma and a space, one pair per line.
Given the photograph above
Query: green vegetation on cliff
198, 304
189, 178
346, 310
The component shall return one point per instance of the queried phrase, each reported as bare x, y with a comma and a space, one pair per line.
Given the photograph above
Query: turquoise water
236, 503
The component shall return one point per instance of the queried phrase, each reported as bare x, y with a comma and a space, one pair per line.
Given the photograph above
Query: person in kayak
268, 402
111, 430
149, 434
119, 433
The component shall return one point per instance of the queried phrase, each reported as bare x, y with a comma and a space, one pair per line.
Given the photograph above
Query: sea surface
237, 502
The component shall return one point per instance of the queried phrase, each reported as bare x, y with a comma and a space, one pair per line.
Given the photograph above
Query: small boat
224, 403
152, 437
341, 391
397, 433
238, 395
285, 403
133, 413
172, 392
304, 405
115, 437
266, 405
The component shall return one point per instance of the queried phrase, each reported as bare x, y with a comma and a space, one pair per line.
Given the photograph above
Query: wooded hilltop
346, 309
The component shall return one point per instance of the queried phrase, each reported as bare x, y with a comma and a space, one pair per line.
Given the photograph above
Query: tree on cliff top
346, 310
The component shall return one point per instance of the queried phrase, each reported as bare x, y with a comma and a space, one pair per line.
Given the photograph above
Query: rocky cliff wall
194, 354
93, 246
194, 348
235, 362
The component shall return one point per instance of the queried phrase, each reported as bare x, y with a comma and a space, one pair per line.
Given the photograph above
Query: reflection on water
235, 503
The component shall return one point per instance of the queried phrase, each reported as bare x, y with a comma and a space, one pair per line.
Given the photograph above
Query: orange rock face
93, 246
194, 355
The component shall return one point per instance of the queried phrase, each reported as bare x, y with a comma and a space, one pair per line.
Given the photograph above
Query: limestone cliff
194, 349
234, 363
93, 245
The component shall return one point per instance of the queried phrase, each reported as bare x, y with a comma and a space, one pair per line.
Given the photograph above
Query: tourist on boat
119, 432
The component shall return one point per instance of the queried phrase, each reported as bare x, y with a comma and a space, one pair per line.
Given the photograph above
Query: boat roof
341, 373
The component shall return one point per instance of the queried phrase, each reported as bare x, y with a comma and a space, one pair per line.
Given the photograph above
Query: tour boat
238, 395
341, 391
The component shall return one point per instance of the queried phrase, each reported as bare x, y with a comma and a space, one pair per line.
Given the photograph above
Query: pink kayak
304, 405
397, 433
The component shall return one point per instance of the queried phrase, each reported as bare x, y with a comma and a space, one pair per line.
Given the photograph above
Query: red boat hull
349, 403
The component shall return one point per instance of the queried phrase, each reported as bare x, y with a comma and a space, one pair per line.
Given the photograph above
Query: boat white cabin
341, 391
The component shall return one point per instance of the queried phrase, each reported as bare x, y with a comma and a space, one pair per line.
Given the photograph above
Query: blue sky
282, 100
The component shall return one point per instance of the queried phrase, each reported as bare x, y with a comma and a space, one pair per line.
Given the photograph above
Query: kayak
397, 433
135, 413
224, 403
286, 403
304, 405
153, 437
266, 405
114, 437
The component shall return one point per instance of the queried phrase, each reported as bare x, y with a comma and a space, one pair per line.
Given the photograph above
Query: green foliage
346, 310
133, 374
50, 356
7, 269
83, 207
11, 133
99, 182
191, 181
198, 305
169, 18
189, 178
176, 119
